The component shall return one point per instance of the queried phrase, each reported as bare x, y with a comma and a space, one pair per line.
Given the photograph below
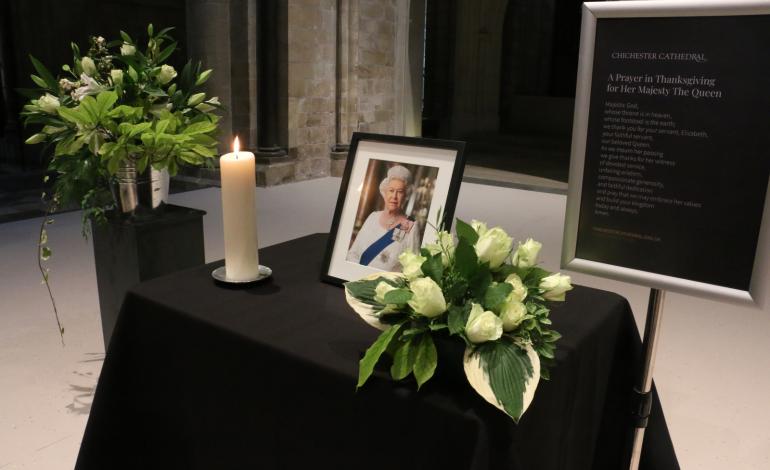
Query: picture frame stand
644, 390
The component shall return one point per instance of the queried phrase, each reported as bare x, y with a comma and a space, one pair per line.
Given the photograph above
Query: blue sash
376, 248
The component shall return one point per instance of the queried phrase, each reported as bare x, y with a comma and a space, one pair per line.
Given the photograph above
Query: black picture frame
330, 269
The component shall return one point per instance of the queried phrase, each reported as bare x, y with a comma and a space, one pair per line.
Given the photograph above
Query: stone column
208, 40
409, 51
346, 97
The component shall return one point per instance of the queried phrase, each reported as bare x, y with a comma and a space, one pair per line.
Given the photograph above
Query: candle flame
236, 145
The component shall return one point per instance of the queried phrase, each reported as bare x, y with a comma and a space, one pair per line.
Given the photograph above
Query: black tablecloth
200, 376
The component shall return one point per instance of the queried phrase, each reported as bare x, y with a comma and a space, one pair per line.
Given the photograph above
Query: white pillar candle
239, 213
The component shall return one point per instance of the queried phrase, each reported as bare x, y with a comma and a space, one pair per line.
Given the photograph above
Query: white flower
494, 247
89, 68
66, 85
91, 87
526, 254
48, 103
555, 286
127, 49
483, 325
100, 40
166, 74
411, 264
512, 313
479, 227
196, 99
380, 291
519, 291
117, 76
444, 244
427, 298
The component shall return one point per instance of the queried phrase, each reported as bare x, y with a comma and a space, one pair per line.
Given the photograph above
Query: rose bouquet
478, 290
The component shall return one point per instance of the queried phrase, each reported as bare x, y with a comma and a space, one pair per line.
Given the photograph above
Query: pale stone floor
711, 370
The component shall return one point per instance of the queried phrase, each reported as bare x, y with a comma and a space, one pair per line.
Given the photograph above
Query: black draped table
200, 376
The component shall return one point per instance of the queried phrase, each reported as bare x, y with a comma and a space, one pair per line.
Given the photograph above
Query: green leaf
426, 360
44, 73
161, 126
39, 81
45, 253
203, 77
509, 369
433, 267
165, 53
496, 295
534, 275
139, 128
465, 231
36, 138
398, 296
73, 115
196, 99
466, 261
200, 128
458, 318
480, 282
403, 360
372, 355
104, 102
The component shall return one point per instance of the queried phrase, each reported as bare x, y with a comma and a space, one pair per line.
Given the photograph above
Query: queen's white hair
397, 172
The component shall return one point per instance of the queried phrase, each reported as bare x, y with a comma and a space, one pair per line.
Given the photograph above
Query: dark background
727, 172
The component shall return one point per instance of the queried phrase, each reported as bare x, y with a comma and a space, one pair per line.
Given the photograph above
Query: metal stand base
650, 346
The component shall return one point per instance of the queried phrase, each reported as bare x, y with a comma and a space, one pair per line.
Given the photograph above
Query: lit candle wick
236, 146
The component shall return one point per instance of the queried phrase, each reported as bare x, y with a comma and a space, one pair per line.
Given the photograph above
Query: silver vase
139, 193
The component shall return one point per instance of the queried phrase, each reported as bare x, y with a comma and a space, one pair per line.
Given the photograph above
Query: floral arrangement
478, 290
115, 106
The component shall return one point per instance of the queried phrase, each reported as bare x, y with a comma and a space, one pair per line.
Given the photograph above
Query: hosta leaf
466, 232
458, 317
398, 296
509, 369
496, 295
425, 360
466, 261
372, 355
403, 360
433, 268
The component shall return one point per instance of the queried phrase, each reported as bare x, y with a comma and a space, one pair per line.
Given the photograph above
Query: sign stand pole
644, 390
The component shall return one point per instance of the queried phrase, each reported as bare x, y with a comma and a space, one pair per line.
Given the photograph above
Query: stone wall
375, 65
312, 84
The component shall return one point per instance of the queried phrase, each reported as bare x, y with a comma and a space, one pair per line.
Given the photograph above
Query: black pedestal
129, 251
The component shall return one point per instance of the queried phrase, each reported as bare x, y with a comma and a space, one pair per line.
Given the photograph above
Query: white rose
427, 298
380, 291
117, 76
555, 286
526, 253
48, 103
167, 73
89, 68
512, 313
519, 291
483, 325
127, 49
494, 247
479, 227
411, 264
444, 244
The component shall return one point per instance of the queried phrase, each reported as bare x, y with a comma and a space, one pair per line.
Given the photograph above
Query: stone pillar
477, 66
346, 95
409, 53
311, 78
208, 40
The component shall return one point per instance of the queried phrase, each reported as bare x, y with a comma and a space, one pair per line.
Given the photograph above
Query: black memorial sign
677, 148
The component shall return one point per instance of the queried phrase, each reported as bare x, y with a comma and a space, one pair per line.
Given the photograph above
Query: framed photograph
392, 193
669, 168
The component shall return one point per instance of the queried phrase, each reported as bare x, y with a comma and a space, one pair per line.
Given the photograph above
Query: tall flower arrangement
117, 104
478, 289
